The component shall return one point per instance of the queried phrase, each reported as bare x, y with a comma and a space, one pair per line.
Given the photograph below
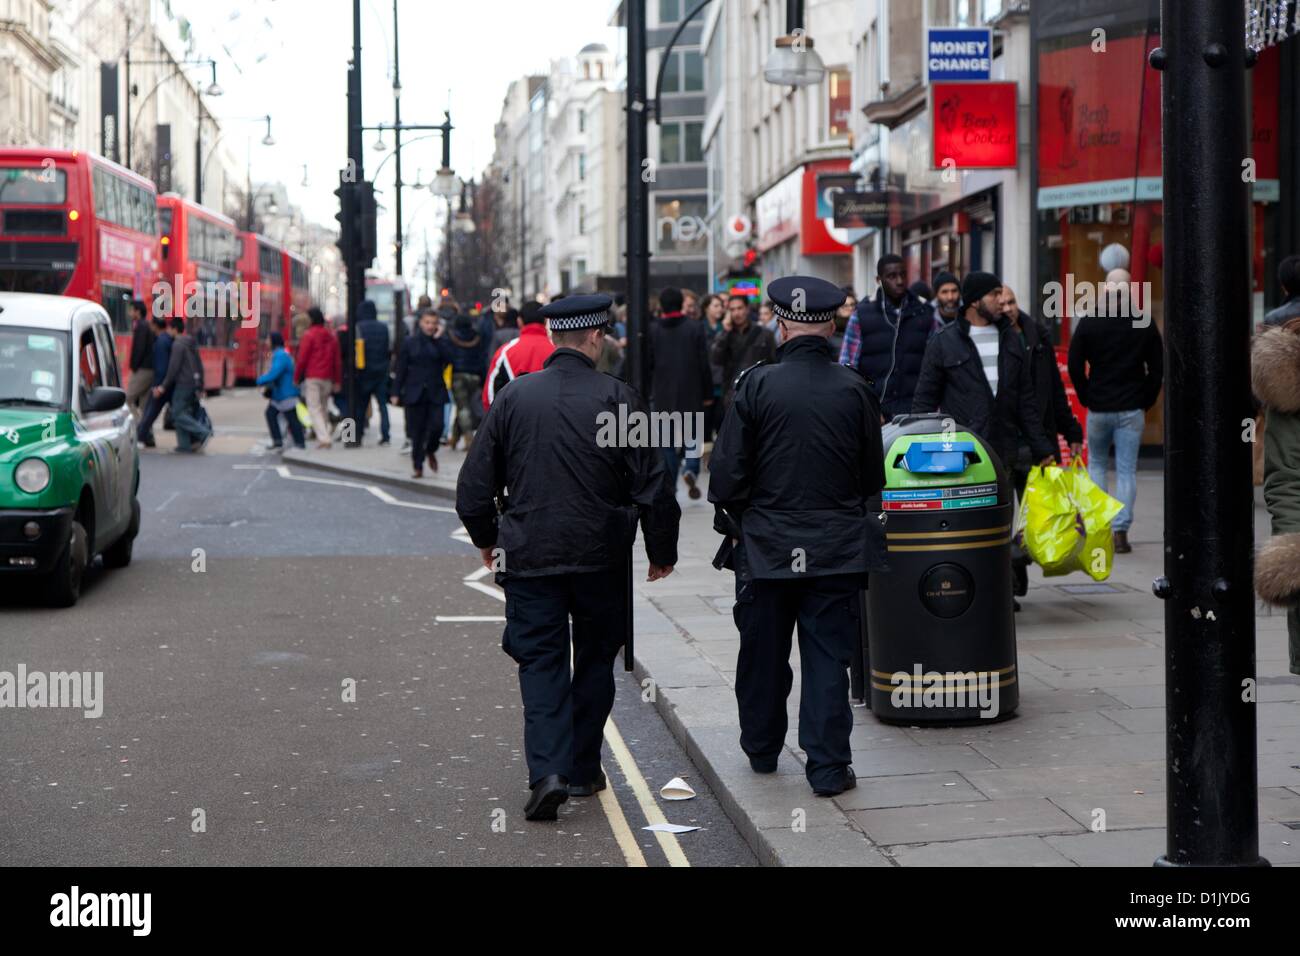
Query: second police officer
554, 512
796, 460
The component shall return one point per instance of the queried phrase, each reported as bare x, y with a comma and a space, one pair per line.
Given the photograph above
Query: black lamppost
1212, 799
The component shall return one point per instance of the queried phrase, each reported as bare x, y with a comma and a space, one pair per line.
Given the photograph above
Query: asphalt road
256, 598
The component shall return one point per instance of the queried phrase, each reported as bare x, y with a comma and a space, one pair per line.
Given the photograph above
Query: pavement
1077, 778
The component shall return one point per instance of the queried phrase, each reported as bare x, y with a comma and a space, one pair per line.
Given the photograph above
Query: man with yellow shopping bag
977, 371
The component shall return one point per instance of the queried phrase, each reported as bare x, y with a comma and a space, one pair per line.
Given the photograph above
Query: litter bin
941, 633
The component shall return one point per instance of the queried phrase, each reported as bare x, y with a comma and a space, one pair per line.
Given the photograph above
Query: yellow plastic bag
304, 416
1047, 518
1066, 522
1097, 510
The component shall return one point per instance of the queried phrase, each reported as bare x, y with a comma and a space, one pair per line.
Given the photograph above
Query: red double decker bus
261, 266
297, 297
199, 253
73, 223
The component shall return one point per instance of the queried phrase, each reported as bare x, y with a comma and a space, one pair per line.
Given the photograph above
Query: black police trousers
564, 715
826, 611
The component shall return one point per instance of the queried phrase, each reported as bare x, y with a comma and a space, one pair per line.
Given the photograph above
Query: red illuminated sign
1098, 115
974, 125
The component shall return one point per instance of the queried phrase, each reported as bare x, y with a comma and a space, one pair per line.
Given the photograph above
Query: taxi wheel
63, 586
119, 555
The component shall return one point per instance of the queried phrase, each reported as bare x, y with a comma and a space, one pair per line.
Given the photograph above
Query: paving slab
991, 851
964, 821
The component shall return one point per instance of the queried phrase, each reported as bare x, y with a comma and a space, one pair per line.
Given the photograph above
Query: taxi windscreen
33, 367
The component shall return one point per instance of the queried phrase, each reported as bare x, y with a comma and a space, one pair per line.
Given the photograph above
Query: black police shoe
588, 789
762, 764
848, 781
548, 794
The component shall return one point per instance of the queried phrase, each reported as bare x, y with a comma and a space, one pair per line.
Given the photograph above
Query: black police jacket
953, 381
544, 483
796, 460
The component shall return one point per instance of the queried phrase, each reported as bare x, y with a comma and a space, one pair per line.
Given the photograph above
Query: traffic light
367, 222
347, 217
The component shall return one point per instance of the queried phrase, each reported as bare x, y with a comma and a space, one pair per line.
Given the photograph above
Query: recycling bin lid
937, 457
932, 464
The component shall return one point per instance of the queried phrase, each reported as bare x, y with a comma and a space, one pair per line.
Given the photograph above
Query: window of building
670, 11
582, 220
680, 142
692, 150
582, 121
684, 72
582, 166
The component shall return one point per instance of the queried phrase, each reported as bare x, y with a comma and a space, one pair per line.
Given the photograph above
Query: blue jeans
273, 426
185, 410
376, 387
681, 458
1124, 429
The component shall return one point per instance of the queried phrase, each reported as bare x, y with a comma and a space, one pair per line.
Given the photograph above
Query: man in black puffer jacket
885, 339
977, 371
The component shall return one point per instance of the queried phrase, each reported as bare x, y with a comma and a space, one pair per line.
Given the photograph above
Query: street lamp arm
177, 70
668, 50
375, 174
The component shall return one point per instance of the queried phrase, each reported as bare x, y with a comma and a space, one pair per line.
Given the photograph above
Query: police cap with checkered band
576, 312
805, 299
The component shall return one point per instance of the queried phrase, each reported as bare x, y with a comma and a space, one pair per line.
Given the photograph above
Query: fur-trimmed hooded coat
1275, 377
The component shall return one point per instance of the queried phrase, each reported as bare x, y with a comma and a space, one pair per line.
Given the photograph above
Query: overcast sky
289, 58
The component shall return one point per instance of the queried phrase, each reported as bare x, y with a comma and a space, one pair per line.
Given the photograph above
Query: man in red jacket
319, 370
528, 353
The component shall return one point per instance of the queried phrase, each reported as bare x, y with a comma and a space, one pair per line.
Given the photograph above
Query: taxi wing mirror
105, 399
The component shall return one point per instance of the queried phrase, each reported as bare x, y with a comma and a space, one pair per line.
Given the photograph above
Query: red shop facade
1097, 144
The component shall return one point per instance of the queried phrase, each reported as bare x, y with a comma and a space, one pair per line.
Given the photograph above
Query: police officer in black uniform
553, 504
796, 460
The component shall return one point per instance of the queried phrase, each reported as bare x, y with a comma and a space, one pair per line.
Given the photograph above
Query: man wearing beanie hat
947, 298
977, 371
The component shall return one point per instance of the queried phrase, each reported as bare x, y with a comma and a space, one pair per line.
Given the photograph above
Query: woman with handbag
282, 395
421, 389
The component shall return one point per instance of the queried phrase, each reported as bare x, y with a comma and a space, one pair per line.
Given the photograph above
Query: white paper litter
669, 828
677, 789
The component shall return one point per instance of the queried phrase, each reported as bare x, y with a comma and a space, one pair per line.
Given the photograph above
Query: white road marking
468, 619
284, 472
488, 589
256, 478
170, 498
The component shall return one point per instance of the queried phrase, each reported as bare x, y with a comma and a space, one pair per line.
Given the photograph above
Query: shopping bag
1096, 510
1049, 519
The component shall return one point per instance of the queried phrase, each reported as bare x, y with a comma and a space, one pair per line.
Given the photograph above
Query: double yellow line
623, 834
